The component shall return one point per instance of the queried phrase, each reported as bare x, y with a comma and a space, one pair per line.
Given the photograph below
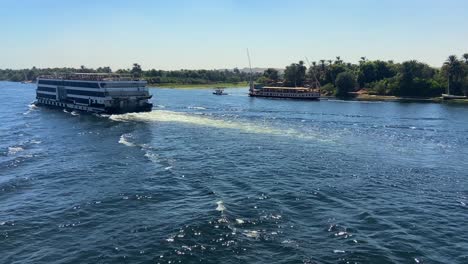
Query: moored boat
311, 92
451, 96
285, 92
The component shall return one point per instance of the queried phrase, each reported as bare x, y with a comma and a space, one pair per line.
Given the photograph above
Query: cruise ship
94, 92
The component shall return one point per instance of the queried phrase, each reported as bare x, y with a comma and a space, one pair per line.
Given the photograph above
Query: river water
233, 179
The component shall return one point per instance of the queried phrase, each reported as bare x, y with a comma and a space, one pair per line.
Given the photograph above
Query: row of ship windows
76, 100
55, 103
62, 104
72, 84
280, 94
50, 96
79, 100
74, 92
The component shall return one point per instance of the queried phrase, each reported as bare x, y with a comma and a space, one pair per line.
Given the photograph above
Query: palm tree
363, 59
330, 62
454, 70
338, 60
322, 63
465, 56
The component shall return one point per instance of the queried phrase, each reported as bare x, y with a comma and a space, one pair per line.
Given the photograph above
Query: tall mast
448, 85
250, 75
313, 73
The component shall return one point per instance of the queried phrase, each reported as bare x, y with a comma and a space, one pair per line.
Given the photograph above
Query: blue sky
215, 34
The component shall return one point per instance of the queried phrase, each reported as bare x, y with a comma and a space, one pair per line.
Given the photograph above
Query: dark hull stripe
46, 89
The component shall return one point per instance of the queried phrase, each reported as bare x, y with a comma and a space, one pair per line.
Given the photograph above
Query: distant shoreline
360, 97
198, 86
389, 98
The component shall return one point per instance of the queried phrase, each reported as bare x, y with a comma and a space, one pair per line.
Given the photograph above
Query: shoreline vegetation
159, 78
367, 80
199, 86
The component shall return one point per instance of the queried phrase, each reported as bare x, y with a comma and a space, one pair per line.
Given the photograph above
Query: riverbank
198, 86
367, 97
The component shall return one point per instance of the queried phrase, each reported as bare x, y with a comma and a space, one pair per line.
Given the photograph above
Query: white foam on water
338, 251
74, 113
31, 107
252, 234
196, 107
152, 156
220, 206
14, 150
123, 140
200, 120
240, 221
33, 141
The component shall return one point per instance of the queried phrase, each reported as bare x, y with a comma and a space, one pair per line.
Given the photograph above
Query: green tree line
152, 76
409, 78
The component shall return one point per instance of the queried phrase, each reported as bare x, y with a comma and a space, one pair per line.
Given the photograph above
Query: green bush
345, 83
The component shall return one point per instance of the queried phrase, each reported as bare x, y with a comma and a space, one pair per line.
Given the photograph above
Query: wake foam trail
199, 120
123, 140
14, 150
31, 107
196, 107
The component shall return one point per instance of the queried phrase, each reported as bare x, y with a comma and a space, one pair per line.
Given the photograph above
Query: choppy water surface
233, 179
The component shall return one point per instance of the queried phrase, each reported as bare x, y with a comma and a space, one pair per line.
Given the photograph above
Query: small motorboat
219, 91
451, 96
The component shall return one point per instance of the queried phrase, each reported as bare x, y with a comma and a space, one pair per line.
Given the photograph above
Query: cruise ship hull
94, 109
